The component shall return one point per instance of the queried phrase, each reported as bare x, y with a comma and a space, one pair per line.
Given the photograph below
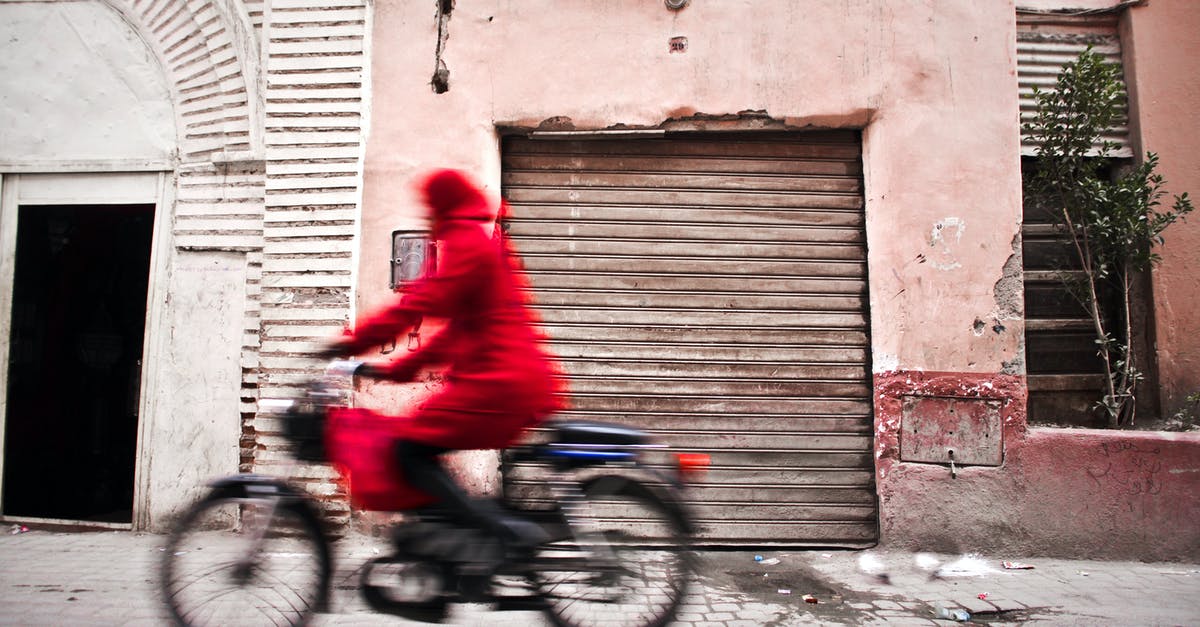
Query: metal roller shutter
1045, 43
712, 289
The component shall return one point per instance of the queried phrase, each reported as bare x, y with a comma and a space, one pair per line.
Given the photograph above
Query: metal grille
712, 289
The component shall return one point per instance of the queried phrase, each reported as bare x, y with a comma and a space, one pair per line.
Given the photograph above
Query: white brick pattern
314, 110
285, 193
211, 62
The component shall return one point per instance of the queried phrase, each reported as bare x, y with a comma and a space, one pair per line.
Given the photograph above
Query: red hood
452, 196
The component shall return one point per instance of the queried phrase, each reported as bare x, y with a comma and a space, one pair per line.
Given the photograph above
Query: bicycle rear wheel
628, 564
233, 560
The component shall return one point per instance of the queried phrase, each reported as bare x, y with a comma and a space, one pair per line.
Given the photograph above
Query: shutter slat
517, 181
634, 214
700, 164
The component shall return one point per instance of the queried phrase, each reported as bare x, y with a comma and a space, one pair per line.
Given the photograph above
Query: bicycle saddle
582, 432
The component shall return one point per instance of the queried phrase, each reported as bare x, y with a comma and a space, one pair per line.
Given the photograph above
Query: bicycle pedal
475, 587
434, 612
406, 535
505, 581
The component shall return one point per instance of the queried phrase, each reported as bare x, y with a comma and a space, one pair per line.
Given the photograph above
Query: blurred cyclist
499, 380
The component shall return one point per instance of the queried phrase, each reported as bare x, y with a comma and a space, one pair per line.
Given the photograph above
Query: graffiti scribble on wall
1135, 470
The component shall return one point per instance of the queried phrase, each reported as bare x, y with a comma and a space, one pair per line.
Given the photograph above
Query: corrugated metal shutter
1044, 45
712, 289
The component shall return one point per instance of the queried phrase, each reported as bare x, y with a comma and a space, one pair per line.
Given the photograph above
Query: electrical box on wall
945, 430
414, 254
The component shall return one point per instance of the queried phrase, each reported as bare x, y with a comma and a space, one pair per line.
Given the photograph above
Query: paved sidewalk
109, 578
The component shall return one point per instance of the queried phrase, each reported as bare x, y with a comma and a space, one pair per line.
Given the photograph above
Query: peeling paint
884, 362
891, 388
557, 123
1009, 288
682, 119
747, 119
441, 74
1009, 292
945, 238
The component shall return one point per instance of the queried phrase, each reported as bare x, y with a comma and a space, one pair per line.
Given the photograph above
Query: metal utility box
941, 430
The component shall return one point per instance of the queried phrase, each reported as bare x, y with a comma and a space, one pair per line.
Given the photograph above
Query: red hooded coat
499, 379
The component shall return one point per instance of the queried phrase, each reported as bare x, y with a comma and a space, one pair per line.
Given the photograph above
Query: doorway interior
74, 376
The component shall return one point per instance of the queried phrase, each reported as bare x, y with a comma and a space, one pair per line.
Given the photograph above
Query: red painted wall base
1057, 492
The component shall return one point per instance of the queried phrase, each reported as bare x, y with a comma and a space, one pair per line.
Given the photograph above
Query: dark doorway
74, 374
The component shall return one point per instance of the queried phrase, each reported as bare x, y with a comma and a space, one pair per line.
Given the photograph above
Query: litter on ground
966, 566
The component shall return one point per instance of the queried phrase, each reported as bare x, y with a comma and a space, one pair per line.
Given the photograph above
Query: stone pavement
109, 578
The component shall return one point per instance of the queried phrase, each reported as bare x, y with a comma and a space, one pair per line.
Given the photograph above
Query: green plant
1113, 224
1187, 417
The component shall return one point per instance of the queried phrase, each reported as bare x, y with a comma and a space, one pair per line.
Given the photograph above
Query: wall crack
441, 74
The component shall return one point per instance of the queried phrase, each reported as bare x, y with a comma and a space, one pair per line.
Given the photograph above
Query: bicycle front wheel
235, 560
628, 563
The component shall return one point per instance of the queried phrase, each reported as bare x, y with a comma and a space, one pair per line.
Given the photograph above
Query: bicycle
253, 548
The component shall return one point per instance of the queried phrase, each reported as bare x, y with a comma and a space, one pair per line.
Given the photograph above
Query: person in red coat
499, 380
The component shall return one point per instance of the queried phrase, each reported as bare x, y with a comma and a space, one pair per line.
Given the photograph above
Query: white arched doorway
128, 135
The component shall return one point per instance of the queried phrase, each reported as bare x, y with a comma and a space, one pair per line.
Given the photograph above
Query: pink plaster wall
932, 84
1162, 41
1059, 492
933, 87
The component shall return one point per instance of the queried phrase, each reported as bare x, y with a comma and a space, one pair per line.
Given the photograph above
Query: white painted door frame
92, 188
